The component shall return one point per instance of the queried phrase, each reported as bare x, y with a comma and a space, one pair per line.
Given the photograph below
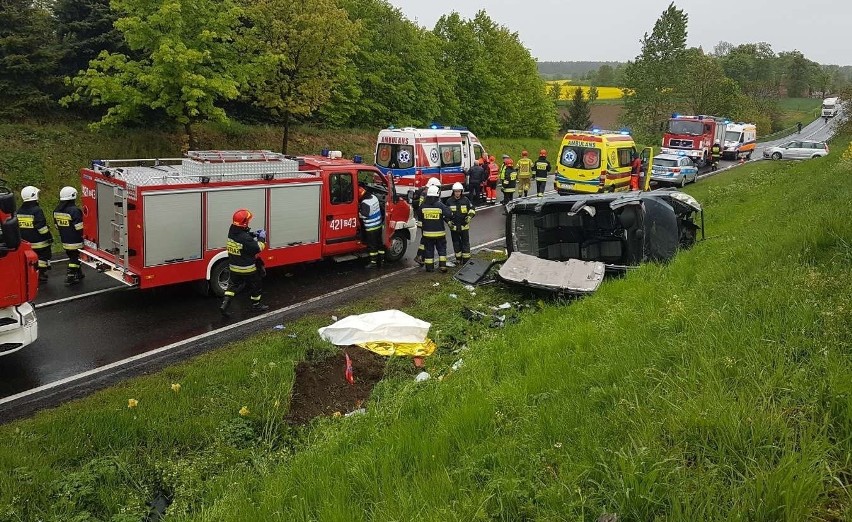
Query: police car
673, 169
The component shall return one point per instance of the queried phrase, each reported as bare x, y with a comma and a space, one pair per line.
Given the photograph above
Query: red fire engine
19, 284
157, 222
693, 136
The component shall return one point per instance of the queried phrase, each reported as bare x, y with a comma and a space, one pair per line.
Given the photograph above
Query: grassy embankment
795, 110
714, 387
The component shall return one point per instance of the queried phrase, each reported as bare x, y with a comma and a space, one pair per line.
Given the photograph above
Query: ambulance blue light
357, 158
391, 126
675, 115
433, 126
596, 130
324, 153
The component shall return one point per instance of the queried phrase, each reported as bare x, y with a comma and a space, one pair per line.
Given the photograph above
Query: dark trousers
253, 281
461, 244
508, 196
539, 185
475, 192
375, 245
74, 269
435, 243
44, 257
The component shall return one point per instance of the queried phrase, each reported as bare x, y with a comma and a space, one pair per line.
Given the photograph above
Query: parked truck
693, 136
155, 222
19, 281
830, 106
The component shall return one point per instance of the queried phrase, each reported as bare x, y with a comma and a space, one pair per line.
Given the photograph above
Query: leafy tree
605, 76
650, 81
800, 73
300, 50
704, 88
579, 115
593, 93
554, 92
722, 48
187, 63
28, 59
755, 69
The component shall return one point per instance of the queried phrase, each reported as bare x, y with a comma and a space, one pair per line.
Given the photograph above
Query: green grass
712, 388
795, 110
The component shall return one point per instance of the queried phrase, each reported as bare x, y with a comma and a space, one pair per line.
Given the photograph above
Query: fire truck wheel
398, 245
219, 277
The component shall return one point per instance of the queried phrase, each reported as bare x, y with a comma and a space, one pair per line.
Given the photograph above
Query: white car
799, 149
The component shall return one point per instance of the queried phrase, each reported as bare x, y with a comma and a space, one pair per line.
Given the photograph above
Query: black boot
259, 307
226, 302
71, 279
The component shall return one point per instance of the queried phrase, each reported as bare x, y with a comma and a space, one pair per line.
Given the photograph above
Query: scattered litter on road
422, 377
334, 318
504, 306
458, 364
359, 411
279, 327
292, 336
454, 296
436, 284
469, 288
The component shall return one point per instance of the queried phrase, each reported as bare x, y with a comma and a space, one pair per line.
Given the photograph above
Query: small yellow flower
337, 414
244, 411
132, 403
277, 403
175, 387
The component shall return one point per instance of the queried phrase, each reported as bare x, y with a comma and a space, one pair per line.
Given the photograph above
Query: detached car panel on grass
619, 230
799, 149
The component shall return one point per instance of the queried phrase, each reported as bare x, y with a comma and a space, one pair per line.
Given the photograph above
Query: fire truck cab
693, 136
156, 222
19, 284
412, 156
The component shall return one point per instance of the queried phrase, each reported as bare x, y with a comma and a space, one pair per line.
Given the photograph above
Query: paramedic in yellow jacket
525, 170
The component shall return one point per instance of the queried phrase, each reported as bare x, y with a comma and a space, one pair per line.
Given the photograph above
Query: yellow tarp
401, 349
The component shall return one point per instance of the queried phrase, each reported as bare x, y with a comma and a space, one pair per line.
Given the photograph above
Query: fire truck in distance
693, 136
19, 281
156, 222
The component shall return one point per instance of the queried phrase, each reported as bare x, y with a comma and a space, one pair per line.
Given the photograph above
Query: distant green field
795, 110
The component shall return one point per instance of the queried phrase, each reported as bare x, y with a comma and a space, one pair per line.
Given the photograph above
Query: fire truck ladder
119, 227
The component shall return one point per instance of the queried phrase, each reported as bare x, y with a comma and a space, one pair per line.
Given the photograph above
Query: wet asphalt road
80, 335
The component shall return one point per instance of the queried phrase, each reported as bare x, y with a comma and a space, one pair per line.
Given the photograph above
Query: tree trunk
285, 140
189, 138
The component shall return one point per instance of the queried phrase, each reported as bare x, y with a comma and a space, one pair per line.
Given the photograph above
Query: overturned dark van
618, 229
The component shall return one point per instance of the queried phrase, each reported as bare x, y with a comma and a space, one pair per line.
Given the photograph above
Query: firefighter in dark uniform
433, 215
715, 154
542, 169
243, 249
419, 198
34, 230
462, 211
508, 181
476, 176
69, 221
370, 213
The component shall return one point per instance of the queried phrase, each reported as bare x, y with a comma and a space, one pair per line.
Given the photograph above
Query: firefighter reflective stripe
43, 264
542, 167
433, 216
509, 180
44, 230
242, 269
78, 226
371, 213
72, 246
40, 244
525, 168
462, 211
63, 219
25, 221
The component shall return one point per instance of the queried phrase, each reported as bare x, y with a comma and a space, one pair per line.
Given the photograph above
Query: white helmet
67, 194
433, 182
433, 191
29, 193
458, 186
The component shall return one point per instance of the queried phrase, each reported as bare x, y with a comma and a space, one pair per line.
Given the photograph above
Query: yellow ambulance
595, 161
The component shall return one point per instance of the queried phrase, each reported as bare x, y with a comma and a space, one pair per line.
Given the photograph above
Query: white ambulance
412, 155
740, 140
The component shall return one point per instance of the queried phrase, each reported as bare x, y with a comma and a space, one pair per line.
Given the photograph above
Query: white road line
81, 296
178, 344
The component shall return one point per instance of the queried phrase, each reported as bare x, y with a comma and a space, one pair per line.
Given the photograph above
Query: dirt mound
606, 116
321, 387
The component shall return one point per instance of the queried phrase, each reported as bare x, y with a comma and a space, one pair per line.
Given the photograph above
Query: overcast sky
595, 30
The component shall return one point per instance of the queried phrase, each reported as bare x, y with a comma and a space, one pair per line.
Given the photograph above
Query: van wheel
815, 156
776, 155
219, 278
748, 156
398, 246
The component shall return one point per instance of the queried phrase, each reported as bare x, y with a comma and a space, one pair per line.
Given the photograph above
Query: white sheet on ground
388, 325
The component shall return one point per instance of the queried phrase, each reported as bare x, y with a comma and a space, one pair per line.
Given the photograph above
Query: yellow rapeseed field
567, 90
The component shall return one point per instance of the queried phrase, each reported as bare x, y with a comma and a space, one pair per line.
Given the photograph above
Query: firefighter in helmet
508, 181
463, 211
715, 154
69, 221
433, 214
243, 263
419, 198
542, 169
34, 230
524, 168
370, 214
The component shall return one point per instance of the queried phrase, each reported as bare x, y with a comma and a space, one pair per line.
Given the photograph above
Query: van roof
601, 136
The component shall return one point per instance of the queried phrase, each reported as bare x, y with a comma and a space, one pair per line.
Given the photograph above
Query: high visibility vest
525, 167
